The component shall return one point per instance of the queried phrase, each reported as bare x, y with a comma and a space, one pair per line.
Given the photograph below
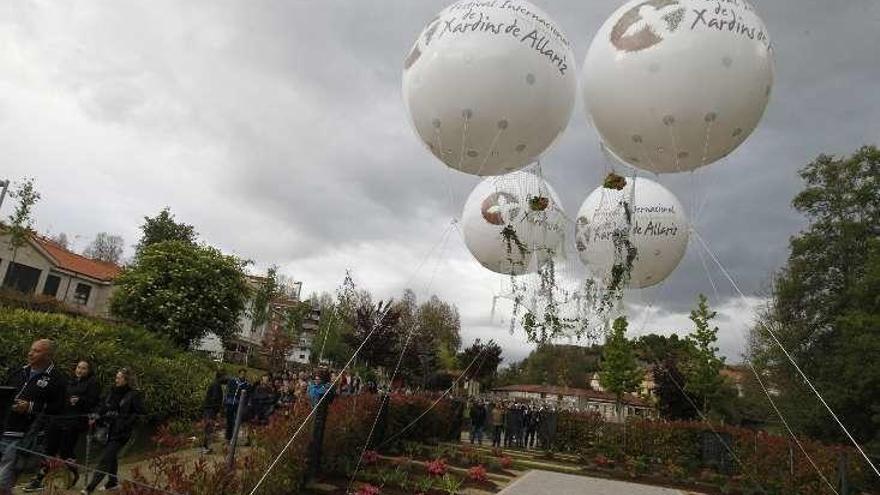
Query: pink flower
368, 490
437, 467
478, 474
370, 457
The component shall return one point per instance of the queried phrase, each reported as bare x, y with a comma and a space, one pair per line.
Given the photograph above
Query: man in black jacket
40, 390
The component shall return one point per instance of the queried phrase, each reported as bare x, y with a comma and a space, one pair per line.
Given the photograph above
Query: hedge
173, 381
770, 462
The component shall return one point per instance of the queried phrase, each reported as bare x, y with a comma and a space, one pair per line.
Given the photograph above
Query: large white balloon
672, 85
521, 202
658, 230
490, 85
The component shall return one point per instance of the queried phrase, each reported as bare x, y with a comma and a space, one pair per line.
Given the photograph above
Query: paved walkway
547, 483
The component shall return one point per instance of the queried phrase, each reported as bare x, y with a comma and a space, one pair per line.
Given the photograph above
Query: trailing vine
511, 240
625, 254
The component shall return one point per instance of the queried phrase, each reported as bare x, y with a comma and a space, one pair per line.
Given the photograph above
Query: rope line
318, 404
437, 401
88, 469
397, 366
787, 355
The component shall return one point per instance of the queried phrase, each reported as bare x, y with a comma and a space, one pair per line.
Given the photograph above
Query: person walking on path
39, 390
233, 397
119, 411
497, 424
478, 423
81, 400
211, 408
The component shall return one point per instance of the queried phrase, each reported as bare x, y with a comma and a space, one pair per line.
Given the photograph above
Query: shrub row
761, 461
173, 381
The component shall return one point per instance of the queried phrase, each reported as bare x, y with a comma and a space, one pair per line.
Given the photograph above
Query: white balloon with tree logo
673, 85
642, 215
490, 85
513, 223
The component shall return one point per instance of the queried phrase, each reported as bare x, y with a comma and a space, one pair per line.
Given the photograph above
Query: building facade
41, 267
246, 346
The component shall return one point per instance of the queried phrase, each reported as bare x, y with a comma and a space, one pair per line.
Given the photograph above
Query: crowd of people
49, 411
511, 424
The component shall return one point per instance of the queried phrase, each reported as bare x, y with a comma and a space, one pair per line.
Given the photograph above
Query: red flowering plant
368, 490
602, 461
478, 474
370, 457
437, 467
166, 440
506, 462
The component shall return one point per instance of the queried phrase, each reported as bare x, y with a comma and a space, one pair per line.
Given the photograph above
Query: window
302, 356
50, 288
22, 278
82, 293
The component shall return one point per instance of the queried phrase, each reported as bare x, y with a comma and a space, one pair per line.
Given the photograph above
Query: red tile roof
72, 262
577, 392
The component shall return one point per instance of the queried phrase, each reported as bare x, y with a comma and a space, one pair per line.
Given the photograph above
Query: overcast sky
277, 128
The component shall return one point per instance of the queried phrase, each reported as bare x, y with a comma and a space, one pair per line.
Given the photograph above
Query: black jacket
120, 410
213, 397
45, 392
75, 415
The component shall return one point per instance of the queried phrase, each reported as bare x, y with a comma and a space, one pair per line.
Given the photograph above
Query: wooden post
842, 471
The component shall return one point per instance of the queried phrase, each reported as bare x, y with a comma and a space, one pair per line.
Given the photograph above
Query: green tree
485, 356
619, 372
554, 364
670, 389
183, 291
265, 294
668, 354
441, 321
702, 368
21, 221
163, 228
376, 328
105, 247
824, 307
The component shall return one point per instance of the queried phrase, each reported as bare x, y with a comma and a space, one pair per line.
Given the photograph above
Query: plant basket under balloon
614, 181
539, 203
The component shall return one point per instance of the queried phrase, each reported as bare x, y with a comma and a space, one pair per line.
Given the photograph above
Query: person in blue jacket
233, 396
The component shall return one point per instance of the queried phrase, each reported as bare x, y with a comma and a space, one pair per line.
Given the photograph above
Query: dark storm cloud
278, 128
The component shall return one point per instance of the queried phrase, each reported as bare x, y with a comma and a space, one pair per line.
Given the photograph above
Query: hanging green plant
508, 233
614, 181
539, 203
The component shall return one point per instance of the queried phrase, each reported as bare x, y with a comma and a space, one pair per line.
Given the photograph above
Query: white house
43, 268
577, 398
247, 344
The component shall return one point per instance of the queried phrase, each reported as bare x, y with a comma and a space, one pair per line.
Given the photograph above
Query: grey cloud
278, 129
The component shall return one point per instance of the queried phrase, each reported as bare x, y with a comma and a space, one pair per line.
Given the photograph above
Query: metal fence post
230, 458
317, 444
842, 471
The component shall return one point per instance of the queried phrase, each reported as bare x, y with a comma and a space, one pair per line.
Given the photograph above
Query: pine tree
619, 373
703, 366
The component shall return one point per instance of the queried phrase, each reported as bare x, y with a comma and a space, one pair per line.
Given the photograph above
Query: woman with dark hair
119, 411
80, 400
